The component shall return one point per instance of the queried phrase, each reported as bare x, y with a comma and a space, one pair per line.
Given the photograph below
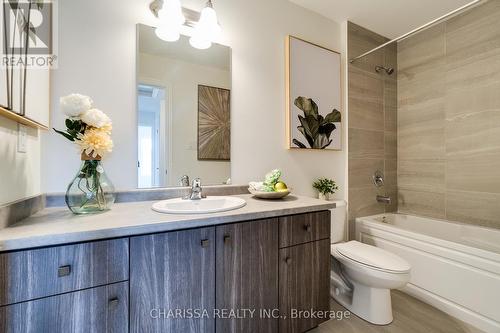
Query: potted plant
325, 187
91, 191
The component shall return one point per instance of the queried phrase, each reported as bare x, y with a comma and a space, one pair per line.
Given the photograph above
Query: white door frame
165, 130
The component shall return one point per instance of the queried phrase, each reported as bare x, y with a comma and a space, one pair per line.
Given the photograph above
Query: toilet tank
339, 222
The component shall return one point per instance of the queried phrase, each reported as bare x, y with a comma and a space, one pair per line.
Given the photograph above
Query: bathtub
455, 267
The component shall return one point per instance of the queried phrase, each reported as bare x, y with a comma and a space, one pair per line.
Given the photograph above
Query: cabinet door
304, 285
172, 282
102, 309
247, 275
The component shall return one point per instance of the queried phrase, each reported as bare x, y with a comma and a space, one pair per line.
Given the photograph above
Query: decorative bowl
269, 195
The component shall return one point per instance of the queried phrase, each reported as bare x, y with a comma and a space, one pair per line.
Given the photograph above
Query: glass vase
91, 191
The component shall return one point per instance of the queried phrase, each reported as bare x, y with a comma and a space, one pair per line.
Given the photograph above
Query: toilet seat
372, 257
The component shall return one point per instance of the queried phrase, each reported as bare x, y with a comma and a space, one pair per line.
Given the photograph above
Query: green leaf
334, 117
308, 106
69, 123
299, 144
322, 141
327, 129
66, 135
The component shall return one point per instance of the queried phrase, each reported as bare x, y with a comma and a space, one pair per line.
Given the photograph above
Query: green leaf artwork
315, 128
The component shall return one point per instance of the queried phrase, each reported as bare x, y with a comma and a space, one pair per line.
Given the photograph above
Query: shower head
388, 70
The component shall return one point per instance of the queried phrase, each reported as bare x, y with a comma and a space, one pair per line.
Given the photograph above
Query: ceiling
390, 18
218, 56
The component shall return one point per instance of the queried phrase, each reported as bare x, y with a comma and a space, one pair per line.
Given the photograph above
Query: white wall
181, 80
97, 57
19, 172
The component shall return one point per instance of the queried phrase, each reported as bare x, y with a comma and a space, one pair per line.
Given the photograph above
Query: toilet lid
373, 256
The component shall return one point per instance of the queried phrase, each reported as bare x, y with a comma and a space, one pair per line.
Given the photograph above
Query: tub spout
384, 199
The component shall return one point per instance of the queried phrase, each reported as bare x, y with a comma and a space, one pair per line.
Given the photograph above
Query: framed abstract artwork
314, 97
214, 124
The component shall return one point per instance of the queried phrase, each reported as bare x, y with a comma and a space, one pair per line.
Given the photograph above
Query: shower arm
425, 26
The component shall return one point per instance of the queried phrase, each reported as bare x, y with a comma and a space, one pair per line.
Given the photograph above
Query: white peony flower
75, 104
95, 118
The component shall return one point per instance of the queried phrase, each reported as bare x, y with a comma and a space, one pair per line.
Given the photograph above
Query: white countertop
53, 226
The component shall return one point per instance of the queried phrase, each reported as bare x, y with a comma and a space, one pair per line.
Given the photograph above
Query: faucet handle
196, 183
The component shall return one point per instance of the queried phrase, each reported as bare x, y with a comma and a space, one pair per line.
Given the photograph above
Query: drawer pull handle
205, 243
113, 302
288, 260
227, 239
307, 227
64, 271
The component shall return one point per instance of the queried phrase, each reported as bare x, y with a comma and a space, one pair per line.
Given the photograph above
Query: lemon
280, 186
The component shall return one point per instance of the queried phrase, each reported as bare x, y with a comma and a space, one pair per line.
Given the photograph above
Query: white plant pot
322, 196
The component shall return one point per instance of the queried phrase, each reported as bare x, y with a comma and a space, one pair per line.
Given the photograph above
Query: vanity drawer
304, 228
99, 310
30, 274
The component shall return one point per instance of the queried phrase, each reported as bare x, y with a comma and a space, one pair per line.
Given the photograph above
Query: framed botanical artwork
314, 97
214, 124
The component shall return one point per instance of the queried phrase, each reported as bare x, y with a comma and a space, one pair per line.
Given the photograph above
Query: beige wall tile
474, 208
472, 99
449, 119
372, 124
473, 133
361, 171
479, 173
365, 143
363, 202
391, 172
421, 203
366, 101
391, 145
421, 132
422, 175
361, 40
421, 48
390, 106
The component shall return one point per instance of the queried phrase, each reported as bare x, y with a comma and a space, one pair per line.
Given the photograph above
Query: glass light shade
171, 13
206, 30
168, 33
198, 42
171, 20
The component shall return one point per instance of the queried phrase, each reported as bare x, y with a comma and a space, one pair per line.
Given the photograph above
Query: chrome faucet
184, 181
196, 190
384, 199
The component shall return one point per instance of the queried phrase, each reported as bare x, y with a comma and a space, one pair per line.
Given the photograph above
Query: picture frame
313, 96
214, 123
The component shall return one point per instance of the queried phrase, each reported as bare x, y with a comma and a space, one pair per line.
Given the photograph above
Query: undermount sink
204, 206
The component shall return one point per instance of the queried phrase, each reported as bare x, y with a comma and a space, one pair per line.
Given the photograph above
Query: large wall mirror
184, 107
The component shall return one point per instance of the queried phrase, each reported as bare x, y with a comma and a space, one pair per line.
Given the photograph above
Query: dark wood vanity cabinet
304, 285
247, 275
102, 309
198, 281
170, 274
72, 288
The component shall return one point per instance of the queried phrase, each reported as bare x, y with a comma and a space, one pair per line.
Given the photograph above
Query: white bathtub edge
455, 310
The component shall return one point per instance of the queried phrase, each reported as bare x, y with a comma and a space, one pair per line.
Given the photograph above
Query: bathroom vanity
134, 270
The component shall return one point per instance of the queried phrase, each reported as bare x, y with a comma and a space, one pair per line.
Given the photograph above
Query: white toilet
362, 275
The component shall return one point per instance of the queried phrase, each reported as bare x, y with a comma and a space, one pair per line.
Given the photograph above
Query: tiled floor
410, 316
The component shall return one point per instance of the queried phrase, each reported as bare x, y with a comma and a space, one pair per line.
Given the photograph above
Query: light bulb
168, 33
200, 43
209, 23
171, 20
171, 13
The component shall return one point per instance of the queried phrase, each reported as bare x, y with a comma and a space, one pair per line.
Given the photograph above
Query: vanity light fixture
207, 30
171, 20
